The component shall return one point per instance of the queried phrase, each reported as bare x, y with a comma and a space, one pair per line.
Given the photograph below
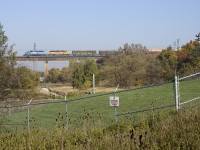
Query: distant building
154, 51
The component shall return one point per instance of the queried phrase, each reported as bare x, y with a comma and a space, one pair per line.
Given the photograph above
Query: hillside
178, 131
91, 121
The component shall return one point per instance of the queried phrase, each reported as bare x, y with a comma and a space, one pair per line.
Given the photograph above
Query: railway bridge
47, 58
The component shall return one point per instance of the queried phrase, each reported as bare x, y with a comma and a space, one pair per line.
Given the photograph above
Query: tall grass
178, 131
92, 123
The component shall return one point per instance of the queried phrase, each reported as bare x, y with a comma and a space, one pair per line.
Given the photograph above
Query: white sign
114, 101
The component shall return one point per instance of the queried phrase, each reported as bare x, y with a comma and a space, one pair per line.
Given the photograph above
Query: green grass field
94, 110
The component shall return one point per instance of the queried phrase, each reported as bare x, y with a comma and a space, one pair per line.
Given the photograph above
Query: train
73, 53
42, 53
81, 52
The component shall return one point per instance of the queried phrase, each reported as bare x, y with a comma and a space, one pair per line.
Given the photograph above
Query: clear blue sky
98, 24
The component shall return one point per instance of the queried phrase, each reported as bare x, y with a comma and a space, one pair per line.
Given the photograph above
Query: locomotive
35, 53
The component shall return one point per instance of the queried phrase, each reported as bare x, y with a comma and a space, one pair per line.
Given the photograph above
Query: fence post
28, 117
93, 83
115, 113
177, 93
115, 107
66, 111
9, 106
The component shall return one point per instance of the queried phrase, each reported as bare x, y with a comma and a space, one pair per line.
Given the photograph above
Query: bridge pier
46, 73
47, 58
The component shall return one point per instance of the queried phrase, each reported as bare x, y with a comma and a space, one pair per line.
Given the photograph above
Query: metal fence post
93, 83
9, 106
66, 111
177, 93
115, 113
28, 115
115, 107
178, 83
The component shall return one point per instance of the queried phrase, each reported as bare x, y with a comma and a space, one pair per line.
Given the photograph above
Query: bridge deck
54, 58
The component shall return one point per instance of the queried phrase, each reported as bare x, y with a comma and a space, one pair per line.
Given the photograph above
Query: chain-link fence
188, 89
87, 111
95, 110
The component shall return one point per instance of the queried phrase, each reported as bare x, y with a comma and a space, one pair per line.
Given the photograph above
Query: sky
98, 24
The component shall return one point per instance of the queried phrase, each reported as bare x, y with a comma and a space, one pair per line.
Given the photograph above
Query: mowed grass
94, 110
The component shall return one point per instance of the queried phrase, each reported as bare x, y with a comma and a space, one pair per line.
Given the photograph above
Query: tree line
132, 67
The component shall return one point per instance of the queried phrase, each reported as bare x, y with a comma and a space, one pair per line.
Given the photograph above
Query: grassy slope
96, 110
178, 131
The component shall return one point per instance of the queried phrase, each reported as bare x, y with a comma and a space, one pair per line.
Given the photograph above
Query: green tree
153, 73
127, 49
195, 58
125, 69
77, 75
65, 75
189, 58
54, 75
80, 73
7, 66
168, 60
90, 68
13, 81
26, 78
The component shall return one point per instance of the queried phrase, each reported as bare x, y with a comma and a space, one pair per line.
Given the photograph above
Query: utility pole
34, 63
174, 46
34, 46
178, 40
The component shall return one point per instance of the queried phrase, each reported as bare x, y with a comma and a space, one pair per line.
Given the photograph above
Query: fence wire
88, 111
189, 88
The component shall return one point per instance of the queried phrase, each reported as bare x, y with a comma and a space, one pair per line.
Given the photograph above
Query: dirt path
70, 89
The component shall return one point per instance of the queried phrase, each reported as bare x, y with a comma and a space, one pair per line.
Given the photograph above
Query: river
39, 65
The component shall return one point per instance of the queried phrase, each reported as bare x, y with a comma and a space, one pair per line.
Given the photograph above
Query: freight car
59, 52
108, 52
84, 52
